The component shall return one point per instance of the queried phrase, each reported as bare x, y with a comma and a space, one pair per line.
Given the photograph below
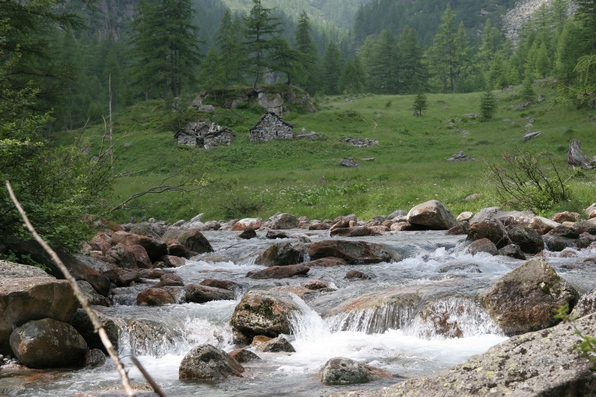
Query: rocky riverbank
145, 257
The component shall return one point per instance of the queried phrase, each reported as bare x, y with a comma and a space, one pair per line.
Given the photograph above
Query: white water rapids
384, 330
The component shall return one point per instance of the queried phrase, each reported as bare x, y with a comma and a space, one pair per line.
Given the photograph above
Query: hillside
408, 166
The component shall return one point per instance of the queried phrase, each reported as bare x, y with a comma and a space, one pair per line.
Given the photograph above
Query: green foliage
523, 182
488, 105
420, 104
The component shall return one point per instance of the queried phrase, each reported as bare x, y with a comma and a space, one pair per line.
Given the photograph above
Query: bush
523, 183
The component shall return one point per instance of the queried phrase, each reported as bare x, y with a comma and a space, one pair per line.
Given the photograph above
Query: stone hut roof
271, 126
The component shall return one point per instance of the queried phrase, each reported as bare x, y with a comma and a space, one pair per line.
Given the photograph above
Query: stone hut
204, 133
271, 126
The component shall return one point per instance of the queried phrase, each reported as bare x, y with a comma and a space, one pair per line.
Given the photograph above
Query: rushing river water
382, 329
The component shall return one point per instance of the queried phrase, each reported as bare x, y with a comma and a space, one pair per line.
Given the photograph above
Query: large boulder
527, 298
242, 224
155, 248
263, 313
345, 371
546, 363
283, 221
208, 363
32, 298
586, 305
432, 215
490, 229
281, 254
48, 343
353, 252
194, 241
527, 239
201, 293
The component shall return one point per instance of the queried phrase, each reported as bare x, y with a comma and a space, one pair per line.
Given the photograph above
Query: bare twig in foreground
84, 303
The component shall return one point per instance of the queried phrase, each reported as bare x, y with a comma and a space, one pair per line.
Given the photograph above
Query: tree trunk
576, 157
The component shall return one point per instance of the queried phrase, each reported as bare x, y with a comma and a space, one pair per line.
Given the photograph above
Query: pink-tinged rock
155, 297
542, 225
280, 272
34, 298
353, 252
565, 216
200, 293
155, 248
170, 280
591, 211
141, 256
242, 224
432, 215
225, 284
173, 261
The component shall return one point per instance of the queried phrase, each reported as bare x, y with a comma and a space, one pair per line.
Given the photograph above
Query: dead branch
84, 303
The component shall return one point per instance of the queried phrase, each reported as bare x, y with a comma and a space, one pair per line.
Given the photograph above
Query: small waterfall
454, 317
306, 324
373, 320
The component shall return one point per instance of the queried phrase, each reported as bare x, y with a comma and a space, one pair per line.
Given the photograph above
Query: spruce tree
260, 31
232, 54
165, 47
331, 66
383, 66
413, 72
420, 104
309, 57
488, 105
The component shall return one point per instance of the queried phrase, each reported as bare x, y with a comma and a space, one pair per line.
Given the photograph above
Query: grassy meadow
305, 177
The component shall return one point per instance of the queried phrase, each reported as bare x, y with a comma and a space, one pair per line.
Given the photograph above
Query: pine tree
233, 57
488, 105
285, 59
383, 69
420, 104
308, 50
528, 93
212, 70
165, 47
352, 79
413, 72
331, 66
260, 31
586, 17
449, 51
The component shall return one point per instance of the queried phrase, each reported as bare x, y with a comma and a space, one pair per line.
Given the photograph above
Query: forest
66, 64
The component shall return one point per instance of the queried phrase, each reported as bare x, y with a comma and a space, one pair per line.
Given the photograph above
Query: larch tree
449, 51
260, 32
165, 47
308, 51
232, 54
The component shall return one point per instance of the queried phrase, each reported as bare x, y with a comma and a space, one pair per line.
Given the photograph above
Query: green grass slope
305, 177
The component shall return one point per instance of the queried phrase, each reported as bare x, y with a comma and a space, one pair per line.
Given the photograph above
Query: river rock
542, 225
177, 249
276, 345
224, 284
248, 233
93, 298
358, 231
586, 227
201, 293
155, 248
528, 240
170, 280
344, 221
276, 234
208, 363
94, 358
48, 343
512, 251
558, 243
432, 215
242, 224
353, 252
141, 256
155, 297
172, 261
586, 305
244, 355
85, 327
545, 363
280, 272
490, 229
263, 313
591, 211
527, 298
283, 221
326, 262
33, 298
122, 256
194, 241
345, 371
482, 245
281, 254
151, 338
565, 216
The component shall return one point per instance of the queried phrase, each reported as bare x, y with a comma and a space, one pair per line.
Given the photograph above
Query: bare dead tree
85, 305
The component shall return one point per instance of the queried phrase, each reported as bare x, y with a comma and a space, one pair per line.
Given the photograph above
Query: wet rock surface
208, 363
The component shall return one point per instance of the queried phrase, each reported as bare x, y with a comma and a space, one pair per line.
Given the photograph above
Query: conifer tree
308, 50
260, 30
212, 70
285, 59
331, 66
449, 51
413, 72
165, 46
420, 104
229, 40
383, 66
488, 105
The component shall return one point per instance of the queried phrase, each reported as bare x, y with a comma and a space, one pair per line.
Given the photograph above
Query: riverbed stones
482, 245
242, 224
490, 229
432, 215
263, 313
32, 298
155, 297
48, 343
283, 221
527, 298
353, 252
208, 363
544, 363
527, 239
281, 254
276, 345
155, 248
586, 305
195, 241
345, 371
